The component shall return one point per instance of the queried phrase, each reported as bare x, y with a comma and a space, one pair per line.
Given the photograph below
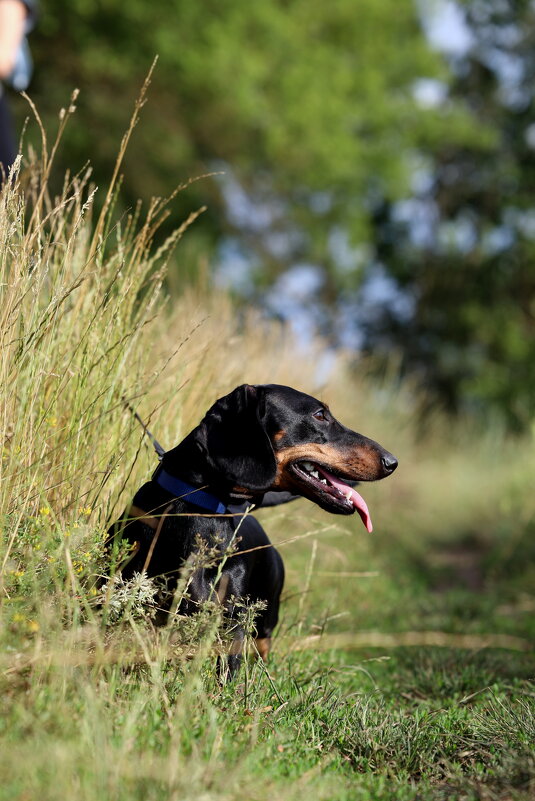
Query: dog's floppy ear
237, 445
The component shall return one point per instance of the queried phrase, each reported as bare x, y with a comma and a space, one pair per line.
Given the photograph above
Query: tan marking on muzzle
362, 463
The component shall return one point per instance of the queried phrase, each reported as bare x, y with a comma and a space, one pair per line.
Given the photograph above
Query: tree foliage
307, 106
470, 274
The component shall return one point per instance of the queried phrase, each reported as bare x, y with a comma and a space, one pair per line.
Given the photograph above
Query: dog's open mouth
339, 491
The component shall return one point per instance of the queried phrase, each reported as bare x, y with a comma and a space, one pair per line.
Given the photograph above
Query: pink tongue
357, 500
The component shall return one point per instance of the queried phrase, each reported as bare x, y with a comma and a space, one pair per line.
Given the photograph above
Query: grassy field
402, 667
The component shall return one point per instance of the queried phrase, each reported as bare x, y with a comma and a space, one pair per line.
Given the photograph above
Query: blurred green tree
468, 268
308, 107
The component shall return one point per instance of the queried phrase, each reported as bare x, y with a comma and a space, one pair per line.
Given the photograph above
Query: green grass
402, 666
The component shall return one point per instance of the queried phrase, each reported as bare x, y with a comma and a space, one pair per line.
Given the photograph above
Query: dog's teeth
314, 473
348, 495
308, 466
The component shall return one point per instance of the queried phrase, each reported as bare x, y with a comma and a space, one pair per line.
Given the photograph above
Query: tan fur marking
359, 464
278, 435
143, 517
221, 590
263, 646
236, 646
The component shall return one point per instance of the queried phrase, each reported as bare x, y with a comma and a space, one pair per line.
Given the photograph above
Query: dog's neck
188, 462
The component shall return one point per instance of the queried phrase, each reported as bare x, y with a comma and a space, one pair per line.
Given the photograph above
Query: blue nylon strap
188, 493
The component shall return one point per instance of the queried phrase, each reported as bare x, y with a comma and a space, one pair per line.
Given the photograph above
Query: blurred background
374, 159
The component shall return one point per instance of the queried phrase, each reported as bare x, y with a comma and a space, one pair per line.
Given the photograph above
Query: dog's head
271, 437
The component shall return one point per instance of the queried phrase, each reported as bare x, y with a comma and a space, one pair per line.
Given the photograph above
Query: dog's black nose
389, 463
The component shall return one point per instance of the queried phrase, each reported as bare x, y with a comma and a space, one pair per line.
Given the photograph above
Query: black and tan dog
256, 440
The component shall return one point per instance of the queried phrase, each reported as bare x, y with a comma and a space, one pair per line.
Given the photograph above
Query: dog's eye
320, 415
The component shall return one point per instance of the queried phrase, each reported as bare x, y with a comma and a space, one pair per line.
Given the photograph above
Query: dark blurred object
20, 77
17, 18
